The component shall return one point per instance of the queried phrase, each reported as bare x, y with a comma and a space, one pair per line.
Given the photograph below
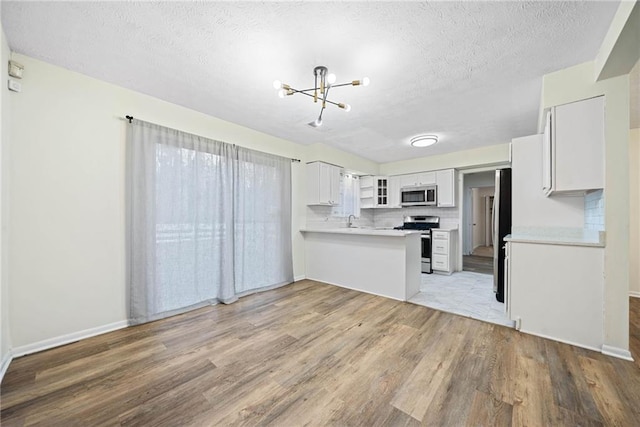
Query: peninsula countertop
557, 236
366, 231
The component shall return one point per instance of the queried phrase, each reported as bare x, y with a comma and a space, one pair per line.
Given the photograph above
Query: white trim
620, 353
298, 278
68, 338
461, 208
355, 289
575, 344
634, 294
6, 360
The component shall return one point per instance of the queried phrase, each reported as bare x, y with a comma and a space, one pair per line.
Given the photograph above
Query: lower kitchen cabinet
556, 291
443, 251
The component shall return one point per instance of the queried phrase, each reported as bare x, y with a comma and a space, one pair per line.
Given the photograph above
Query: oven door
426, 252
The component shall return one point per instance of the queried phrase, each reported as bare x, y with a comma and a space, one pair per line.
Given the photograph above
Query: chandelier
320, 91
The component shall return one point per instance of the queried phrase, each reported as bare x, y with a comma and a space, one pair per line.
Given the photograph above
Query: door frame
461, 210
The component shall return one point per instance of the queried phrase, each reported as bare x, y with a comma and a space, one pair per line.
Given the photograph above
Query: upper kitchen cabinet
573, 154
375, 192
394, 192
323, 184
366, 192
418, 179
446, 184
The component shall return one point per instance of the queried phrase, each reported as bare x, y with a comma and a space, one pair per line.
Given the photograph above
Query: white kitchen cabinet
556, 291
530, 207
381, 191
366, 192
573, 154
443, 250
375, 192
394, 192
418, 179
323, 184
446, 182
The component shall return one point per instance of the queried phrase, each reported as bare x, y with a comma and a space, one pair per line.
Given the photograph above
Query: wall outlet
15, 86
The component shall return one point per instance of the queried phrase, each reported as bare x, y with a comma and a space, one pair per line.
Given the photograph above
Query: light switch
15, 86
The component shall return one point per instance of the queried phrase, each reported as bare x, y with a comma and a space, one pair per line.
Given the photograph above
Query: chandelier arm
343, 84
311, 96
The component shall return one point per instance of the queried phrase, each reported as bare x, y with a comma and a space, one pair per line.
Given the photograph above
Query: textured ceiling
467, 71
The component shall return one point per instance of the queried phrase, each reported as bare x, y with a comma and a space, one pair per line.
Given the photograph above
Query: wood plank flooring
315, 354
477, 264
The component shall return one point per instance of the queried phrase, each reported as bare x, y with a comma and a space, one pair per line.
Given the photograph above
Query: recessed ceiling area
468, 72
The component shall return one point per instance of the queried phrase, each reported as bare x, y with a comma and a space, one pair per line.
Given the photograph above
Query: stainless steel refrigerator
501, 227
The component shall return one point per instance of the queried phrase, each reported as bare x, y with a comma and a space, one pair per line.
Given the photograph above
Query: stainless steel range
424, 223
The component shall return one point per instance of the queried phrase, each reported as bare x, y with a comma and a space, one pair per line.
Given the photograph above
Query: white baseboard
68, 338
355, 289
6, 360
298, 278
575, 344
634, 294
620, 353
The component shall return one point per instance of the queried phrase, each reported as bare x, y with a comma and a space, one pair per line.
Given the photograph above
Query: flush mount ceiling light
323, 82
423, 140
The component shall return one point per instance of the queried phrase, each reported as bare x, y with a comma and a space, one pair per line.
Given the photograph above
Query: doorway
478, 217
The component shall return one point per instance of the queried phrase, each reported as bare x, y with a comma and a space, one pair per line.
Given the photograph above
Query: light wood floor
314, 354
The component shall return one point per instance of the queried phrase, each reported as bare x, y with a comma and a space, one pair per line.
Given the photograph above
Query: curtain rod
130, 118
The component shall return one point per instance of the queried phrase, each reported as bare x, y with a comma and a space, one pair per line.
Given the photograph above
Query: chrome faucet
350, 220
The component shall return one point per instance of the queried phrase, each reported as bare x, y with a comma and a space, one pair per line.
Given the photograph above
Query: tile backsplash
320, 217
449, 217
594, 210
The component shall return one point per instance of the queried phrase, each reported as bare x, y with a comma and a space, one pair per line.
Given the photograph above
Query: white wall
634, 206
477, 157
5, 336
67, 196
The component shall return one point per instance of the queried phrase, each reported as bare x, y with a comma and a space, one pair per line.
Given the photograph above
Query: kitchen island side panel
382, 265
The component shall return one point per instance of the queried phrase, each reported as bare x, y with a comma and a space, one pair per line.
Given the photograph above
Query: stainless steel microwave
419, 196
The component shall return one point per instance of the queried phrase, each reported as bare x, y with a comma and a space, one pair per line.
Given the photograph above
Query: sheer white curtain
207, 221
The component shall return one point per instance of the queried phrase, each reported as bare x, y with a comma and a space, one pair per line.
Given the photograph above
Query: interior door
477, 215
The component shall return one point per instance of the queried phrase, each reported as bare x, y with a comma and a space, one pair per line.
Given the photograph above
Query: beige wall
67, 195
577, 83
5, 338
634, 202
477, 157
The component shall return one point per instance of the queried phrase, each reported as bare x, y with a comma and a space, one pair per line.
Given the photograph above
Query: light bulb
347, 107
331, 78
365, 81
277, 84
317, 122
282, 93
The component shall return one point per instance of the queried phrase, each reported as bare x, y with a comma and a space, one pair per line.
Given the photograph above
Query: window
349, 197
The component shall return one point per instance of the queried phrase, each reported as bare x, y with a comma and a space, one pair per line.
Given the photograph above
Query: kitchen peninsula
379, 262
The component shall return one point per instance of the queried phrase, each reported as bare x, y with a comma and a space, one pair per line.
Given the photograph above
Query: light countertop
363, 231
557, 236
